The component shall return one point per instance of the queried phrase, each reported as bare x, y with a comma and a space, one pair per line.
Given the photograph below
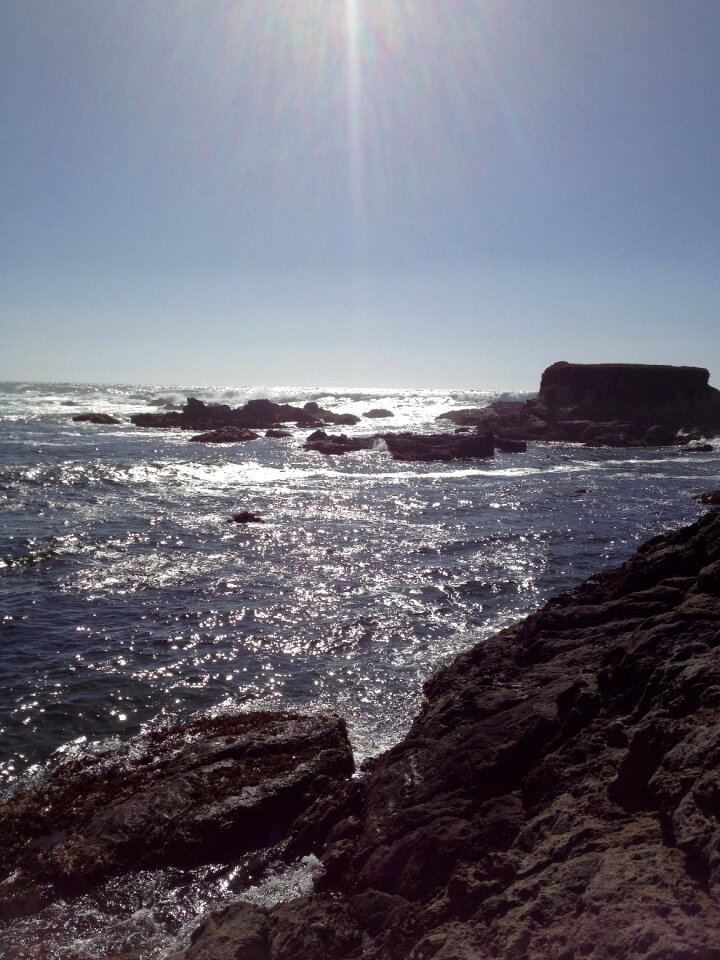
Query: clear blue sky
361, 192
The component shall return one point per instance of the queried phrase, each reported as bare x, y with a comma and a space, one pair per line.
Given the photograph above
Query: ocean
128, 601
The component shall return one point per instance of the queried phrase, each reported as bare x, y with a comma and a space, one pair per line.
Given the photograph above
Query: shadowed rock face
557, 797
619, 405
643, 392
204, 792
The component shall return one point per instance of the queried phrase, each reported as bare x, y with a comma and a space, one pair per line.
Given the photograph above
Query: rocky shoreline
558, 796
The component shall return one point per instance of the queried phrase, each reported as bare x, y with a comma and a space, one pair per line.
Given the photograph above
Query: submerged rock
557, 796
96, 418
225, 435
378, 413
203, 792
245, 516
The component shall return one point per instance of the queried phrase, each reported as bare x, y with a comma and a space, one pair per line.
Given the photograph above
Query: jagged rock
378, 413
315, 412
605, 404
255, 414
712, 498
203, 792
556, 797
245, 516
95, 418
225, 435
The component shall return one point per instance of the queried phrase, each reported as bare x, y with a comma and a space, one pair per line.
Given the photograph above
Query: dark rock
313, 411
255, 414
407, 446
245, 516
439, 446
712, 498
336, 444
699, 447
557, 796
377, 413
659, 436
225, 435
95, 418
278, 434
504, 445
203, 792
620, 405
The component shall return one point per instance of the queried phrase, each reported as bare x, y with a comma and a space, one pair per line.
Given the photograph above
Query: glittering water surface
128, 600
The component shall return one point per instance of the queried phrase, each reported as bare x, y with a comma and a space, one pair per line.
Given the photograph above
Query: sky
419, 193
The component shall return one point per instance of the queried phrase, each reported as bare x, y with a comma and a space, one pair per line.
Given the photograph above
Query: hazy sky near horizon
419, 193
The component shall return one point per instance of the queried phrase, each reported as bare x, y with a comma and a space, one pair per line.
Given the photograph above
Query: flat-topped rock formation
606, 404
253, 415
557, 796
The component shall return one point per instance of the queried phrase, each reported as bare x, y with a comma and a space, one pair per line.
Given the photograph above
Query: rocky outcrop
253, 415
712, 498
556, 797
96, 418
620, 405
407, 446
204, 792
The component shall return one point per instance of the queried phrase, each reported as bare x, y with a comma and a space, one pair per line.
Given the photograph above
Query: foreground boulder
253, 415
619, 405
557, 797
203, 792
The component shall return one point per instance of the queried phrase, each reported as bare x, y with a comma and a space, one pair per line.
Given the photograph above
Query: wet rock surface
203, 792
616, 405
226, 435
246, 516
408, 446
557, 796
378, 413
102, 418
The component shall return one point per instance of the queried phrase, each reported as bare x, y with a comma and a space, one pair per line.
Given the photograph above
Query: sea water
128, 601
